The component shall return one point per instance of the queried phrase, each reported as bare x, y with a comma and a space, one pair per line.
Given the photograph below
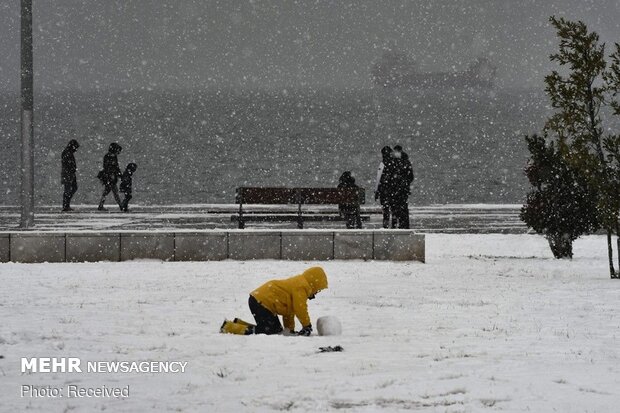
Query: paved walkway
430, 219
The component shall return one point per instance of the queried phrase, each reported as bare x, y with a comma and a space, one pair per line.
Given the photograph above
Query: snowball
328, 326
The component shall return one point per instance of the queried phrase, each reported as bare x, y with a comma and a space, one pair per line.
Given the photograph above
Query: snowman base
328, 326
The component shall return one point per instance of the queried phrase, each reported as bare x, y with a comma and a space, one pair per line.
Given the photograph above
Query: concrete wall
5, 248
201, 246
37, 247
353, 245
158, 246
307, 246
399, 246
88, 247
253, 245
301, 245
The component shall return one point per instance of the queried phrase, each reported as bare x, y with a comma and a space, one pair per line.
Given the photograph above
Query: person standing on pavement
401, 179
68, 176
350, 212
383, 188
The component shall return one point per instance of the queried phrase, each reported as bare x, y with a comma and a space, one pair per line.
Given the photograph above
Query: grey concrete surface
36, 247
158, 246
5, 248
201, 246
302, 245
353, 245
307, 246
399, 246
251, 245
92, 247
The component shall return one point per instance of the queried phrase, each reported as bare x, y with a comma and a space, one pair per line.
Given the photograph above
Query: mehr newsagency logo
76, 365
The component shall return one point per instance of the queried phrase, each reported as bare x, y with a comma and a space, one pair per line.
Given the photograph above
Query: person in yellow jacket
288, 298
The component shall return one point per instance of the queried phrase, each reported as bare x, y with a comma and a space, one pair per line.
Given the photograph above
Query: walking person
383, 190
68, 174
126, 184
402, 177
350, 212
110, 174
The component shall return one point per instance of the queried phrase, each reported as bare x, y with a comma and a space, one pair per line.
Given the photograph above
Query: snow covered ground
489, 323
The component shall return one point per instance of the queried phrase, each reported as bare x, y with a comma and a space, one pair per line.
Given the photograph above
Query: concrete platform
37, 247
354, 245
201, 246
399, 245
158, 246
473, 219
254, 245
307, 246
5, 248
93, 247
300, 245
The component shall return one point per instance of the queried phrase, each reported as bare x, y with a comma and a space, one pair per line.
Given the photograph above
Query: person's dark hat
398, 148
131, 167
115, 148
346, 175
73, 144
347, 178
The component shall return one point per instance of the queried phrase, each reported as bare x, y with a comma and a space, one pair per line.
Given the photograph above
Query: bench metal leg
241, 221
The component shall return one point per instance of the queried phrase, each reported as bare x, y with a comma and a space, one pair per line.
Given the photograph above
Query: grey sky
82, 44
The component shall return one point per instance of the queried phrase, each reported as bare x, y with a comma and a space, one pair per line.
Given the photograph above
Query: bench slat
324, 196
315, 196
291, 218
270, 196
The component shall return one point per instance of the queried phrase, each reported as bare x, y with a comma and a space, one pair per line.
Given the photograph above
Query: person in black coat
110, 174
126, 184
350, 212
401, 179
68, 174
383, 189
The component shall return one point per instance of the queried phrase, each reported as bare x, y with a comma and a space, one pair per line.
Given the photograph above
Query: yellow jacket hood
316, 278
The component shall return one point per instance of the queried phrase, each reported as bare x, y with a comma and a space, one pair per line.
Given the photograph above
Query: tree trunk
561, 246
610, 255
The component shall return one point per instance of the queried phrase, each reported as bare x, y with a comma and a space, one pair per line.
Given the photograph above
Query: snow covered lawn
489, 323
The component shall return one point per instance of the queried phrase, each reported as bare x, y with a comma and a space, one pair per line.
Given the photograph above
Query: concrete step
303, 245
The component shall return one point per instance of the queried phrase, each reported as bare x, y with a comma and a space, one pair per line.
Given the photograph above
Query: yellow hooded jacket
289, 297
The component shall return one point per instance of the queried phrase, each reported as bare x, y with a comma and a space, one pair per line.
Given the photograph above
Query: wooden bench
299, 197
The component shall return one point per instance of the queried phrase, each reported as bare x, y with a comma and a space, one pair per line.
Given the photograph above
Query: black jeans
351, 215
400, 212
387, 212
70, 190
125, 202
110, 187
266, 321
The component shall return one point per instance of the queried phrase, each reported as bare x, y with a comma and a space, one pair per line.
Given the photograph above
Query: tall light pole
27, 104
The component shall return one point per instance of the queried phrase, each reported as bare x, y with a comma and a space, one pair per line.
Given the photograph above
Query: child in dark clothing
126, 181
350, 212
